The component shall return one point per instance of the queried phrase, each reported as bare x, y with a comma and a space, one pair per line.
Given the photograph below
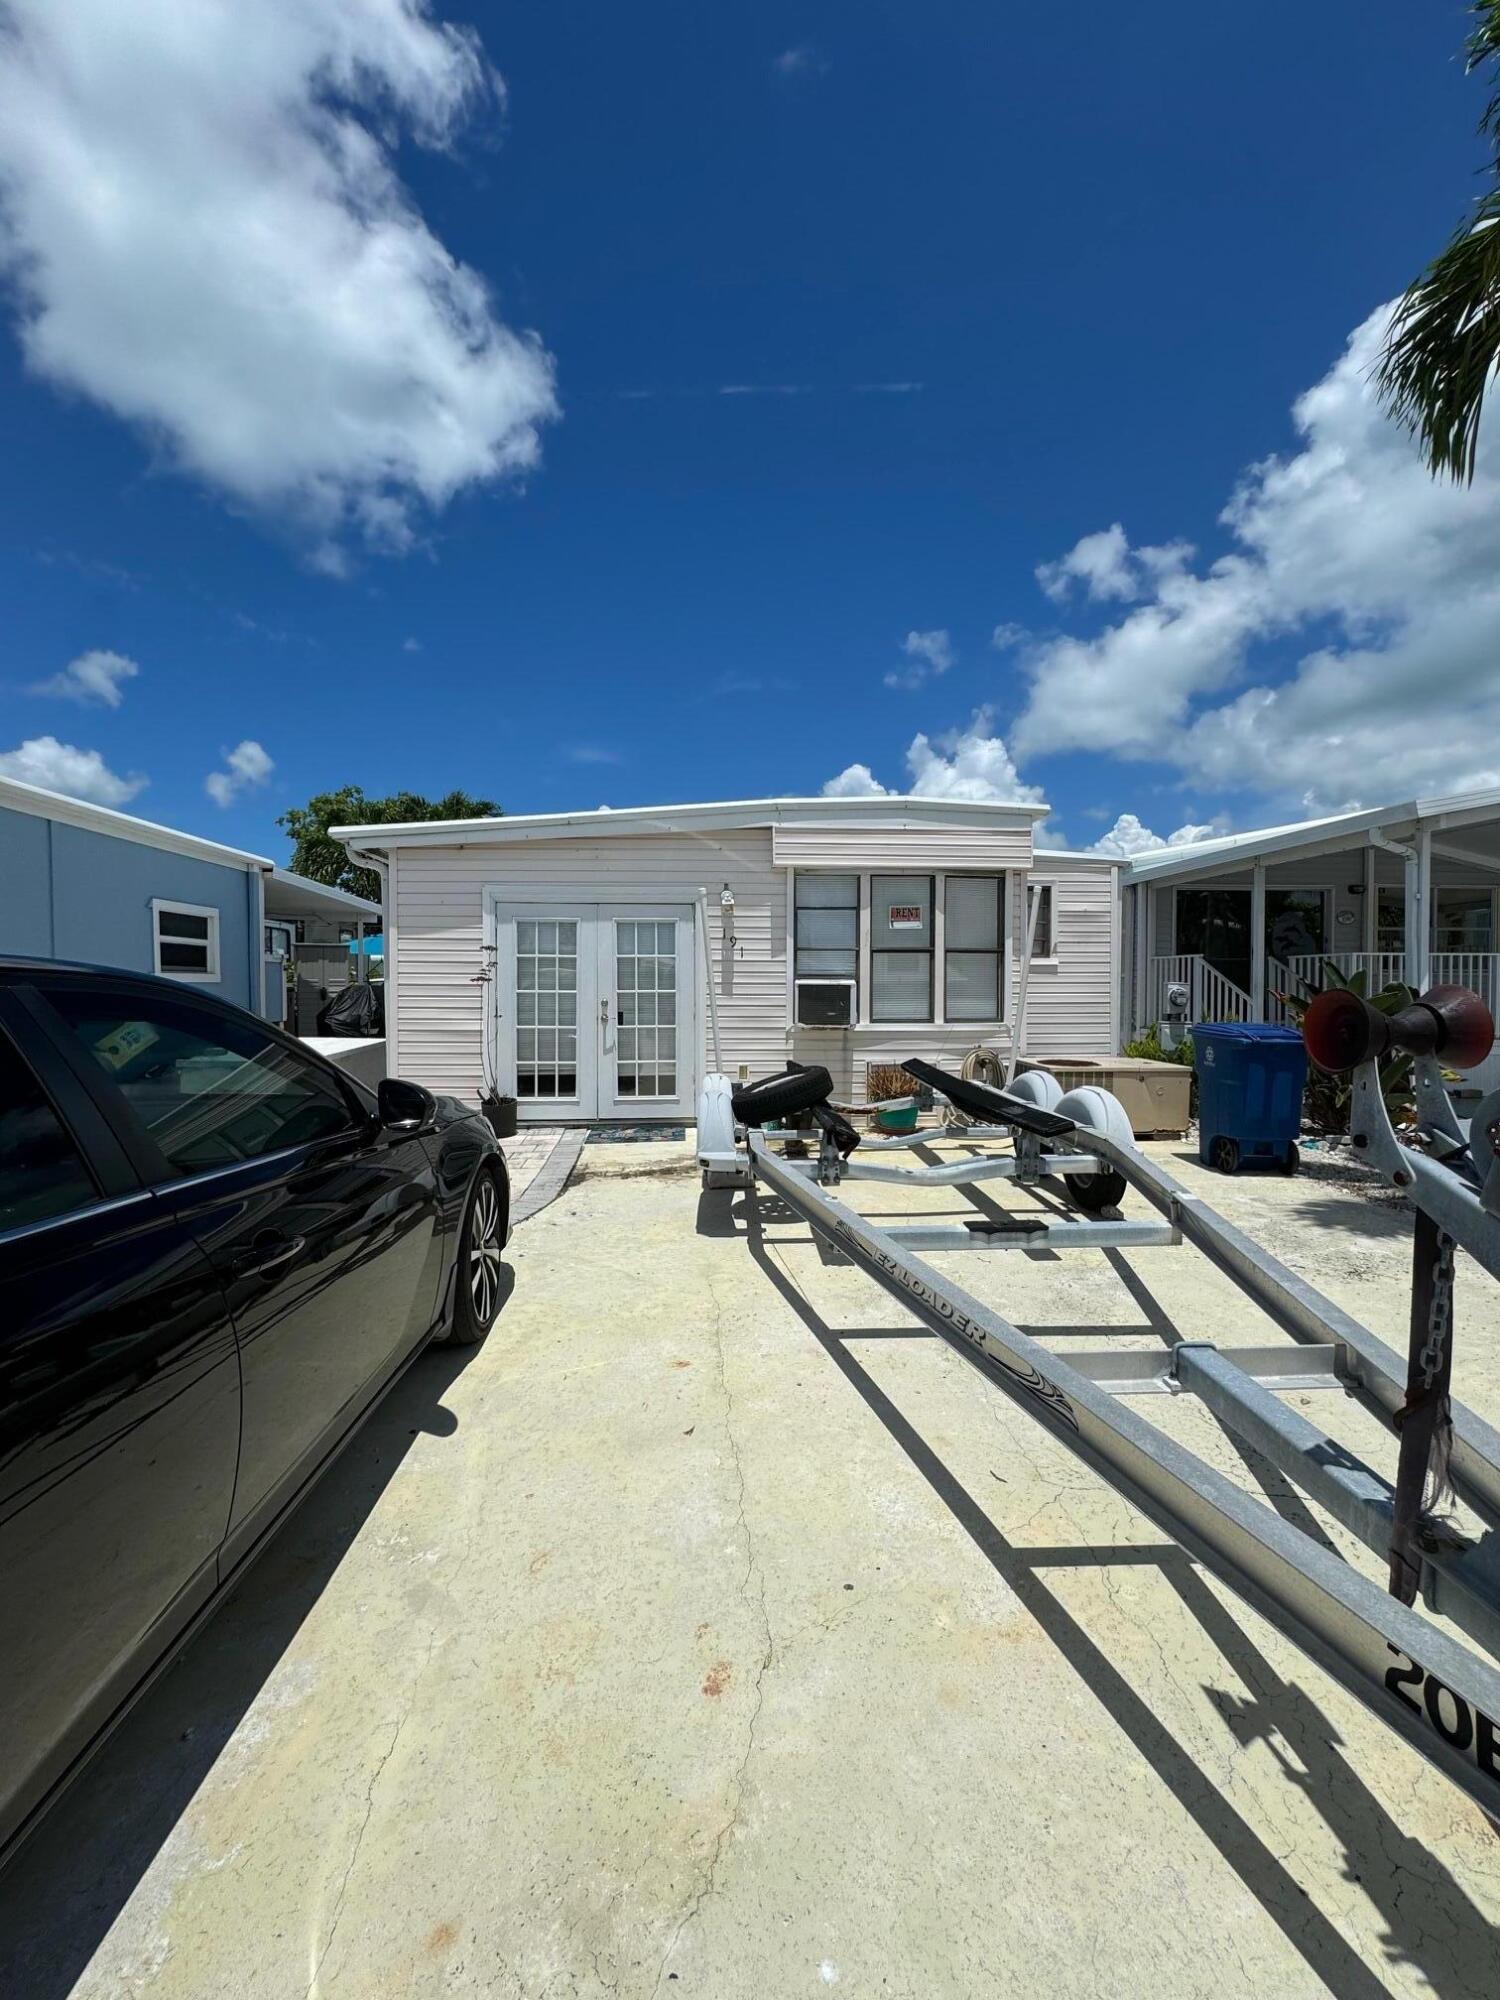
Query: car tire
476, 1280
781, 1096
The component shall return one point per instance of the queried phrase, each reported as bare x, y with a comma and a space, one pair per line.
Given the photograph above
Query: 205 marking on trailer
1466, 1728
1052, 1400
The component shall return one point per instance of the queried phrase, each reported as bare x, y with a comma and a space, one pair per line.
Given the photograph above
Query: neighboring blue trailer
85, 883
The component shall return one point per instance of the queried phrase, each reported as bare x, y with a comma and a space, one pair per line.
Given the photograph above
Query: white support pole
1258, 942
1418, 910
1372, 904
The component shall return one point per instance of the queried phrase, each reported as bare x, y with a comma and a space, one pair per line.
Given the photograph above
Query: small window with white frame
1044, 939
185, 937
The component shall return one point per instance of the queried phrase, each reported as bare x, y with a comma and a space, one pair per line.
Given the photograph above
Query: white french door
595, 1010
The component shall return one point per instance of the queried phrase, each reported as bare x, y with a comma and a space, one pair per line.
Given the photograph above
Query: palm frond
1443, 345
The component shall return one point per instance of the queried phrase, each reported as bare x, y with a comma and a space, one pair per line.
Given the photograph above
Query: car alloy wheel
484, 1251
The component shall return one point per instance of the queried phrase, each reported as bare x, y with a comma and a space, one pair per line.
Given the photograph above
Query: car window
42, 1172
210, 1090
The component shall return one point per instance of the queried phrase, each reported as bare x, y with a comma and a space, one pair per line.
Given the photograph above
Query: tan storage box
1156, 1095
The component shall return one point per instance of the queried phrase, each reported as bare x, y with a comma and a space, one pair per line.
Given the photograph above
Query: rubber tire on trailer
1291, 1159
472, 1319
1224, 1155
783, 1096
1095, 1192
1095, 1110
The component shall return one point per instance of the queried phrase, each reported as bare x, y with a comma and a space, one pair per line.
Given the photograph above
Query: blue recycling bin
1250, 1080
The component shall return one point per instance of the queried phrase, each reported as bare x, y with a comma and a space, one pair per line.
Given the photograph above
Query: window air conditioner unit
825, 1003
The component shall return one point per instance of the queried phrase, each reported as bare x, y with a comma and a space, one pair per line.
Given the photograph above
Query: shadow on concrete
65, 1886
1431, 1924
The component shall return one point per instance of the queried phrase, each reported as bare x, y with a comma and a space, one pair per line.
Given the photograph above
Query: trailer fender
1037, 1086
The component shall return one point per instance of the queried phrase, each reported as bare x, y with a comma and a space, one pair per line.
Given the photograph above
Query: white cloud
63, 767
1005, 636
206, 236
1350, 537
247, 764
855, 781
1128, 836
92, 677
930, 653
411, 645
971, 764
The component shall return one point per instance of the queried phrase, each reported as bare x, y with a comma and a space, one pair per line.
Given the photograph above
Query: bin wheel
781, 1096
1291, 1159
1224, 1156
1094, 1192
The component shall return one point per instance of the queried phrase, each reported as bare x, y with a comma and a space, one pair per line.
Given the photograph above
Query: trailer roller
1442, 1697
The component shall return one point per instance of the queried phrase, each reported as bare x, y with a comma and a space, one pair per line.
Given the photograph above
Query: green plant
1444, 336
1325, 1102
316, 854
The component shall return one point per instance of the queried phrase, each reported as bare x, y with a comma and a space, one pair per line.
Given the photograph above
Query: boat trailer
1431, 1689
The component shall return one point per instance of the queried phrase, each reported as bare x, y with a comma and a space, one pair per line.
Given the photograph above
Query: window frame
1045, 885
1000, 951
860, 907
932, 950
1004, 880
163, 906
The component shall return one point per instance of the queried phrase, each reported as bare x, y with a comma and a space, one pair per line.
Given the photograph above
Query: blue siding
25, 884
67, 892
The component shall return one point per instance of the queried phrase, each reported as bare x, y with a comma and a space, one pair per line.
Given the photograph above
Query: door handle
605, 1024
268, 1253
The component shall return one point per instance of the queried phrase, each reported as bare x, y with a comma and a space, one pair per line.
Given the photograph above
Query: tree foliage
316, 854
1444, 339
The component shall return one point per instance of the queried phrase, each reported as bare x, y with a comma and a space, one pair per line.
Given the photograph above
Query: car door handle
267, 1253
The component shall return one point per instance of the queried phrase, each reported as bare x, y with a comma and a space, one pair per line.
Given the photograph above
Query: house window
1044, 941
186, 940
973, 930
1390, 920
827, 921
900, 947
1463, 920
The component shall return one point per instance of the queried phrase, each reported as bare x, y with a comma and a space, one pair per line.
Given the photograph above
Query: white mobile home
586, 963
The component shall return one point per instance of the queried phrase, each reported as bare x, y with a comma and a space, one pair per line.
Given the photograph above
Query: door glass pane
1216, 923
646, 1009
209, 1088
1294, 923
1390, 920
901, 985
973, 985
546, 996
41, 1170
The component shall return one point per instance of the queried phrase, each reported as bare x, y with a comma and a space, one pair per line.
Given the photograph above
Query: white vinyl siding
904, 850
439, 899
1074, 994
435, 956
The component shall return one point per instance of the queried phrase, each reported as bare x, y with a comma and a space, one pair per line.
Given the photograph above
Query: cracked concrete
713, 1630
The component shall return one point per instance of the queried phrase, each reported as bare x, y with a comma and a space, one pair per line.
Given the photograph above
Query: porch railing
1211, 997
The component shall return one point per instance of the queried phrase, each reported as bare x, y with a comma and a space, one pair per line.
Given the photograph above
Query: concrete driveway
715, 1631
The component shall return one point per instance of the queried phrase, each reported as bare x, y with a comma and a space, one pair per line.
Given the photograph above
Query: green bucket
902, 1119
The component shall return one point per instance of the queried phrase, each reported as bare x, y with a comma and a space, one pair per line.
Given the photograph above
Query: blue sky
792, 343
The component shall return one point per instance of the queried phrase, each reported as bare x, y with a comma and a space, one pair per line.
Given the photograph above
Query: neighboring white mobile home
586, 963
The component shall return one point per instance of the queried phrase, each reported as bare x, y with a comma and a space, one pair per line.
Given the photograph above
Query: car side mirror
405, 1107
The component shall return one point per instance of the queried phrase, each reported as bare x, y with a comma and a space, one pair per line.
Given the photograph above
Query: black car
216, 1252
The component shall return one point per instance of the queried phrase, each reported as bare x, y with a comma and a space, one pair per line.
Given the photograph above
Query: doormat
631, 1135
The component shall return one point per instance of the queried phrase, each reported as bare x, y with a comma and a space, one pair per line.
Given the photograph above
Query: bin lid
1245, 1031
